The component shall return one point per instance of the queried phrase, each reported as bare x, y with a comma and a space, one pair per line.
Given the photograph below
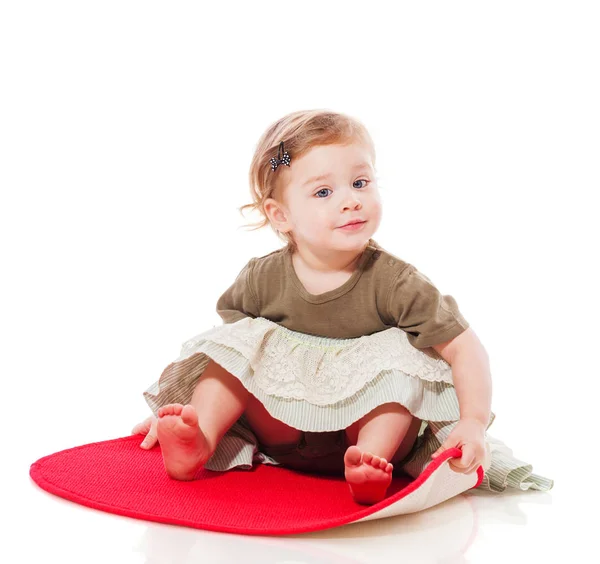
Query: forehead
326, 159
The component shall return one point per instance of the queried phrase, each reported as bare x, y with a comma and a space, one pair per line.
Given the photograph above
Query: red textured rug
117, 476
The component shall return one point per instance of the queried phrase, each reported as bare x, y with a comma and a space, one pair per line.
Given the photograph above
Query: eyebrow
313, 179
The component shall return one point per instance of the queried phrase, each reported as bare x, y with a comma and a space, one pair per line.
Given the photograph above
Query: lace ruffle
320, 370
390, 369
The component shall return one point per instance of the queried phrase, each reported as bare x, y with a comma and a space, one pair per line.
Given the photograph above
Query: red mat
117, 476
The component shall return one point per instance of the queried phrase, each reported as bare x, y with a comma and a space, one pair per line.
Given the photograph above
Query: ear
277, 214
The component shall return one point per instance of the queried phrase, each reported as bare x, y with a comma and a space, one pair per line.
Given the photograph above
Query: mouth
352, 224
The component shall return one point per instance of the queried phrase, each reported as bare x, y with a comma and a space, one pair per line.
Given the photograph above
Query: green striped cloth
407, 376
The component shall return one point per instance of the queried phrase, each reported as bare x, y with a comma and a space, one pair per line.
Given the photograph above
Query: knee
388, 410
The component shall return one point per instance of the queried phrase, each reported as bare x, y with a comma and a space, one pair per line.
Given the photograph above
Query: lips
352, 222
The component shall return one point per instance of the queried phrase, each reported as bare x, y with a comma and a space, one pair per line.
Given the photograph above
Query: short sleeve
239, 300
417, 307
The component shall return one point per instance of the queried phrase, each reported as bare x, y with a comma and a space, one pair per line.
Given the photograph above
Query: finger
142, 428
471, 469
479, 462
137, 429
149, 441
456, 466
468, 455
462, 469
152, 436
442, 448
476, 464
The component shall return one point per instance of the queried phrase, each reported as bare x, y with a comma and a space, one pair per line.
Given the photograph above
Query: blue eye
327, 189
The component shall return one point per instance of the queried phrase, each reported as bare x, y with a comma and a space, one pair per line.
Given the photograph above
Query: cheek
314, 215
377, 205
375, 210
307, 218
316, 220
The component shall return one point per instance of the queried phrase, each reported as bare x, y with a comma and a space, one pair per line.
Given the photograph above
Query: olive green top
384, 291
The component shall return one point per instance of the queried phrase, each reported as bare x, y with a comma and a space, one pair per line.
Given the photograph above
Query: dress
321, 362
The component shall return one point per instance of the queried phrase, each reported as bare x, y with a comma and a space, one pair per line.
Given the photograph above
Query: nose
351, 200
352, 203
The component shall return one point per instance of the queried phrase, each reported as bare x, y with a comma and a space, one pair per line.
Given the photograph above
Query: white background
126, 134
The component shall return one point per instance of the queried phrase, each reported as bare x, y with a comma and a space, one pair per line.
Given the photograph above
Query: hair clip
283, 157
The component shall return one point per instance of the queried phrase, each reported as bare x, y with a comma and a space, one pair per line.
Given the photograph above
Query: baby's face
315, 209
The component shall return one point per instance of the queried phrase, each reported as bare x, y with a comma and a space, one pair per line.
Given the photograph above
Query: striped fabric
239, 346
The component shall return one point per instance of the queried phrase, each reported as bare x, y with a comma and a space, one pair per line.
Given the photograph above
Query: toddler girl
335, 356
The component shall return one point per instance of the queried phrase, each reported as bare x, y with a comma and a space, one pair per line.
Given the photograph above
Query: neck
328, 261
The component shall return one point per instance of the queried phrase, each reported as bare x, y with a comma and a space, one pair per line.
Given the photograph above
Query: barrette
283, 157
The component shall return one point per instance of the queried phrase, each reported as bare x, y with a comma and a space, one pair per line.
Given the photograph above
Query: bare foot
183, 444
368, 476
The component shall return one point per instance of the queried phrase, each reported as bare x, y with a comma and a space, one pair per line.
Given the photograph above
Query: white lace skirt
321, 384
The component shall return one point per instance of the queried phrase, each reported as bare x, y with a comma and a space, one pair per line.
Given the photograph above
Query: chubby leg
190, 434
268, 430
385, 434
408, 441
390, 430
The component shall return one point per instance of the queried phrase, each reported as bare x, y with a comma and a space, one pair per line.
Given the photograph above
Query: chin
355, 242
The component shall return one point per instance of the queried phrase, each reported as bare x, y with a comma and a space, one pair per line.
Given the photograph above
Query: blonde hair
300, 131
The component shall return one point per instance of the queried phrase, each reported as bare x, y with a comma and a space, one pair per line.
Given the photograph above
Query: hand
148, 428
469, 436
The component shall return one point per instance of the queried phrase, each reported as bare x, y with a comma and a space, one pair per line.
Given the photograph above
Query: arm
471, 375
416, 306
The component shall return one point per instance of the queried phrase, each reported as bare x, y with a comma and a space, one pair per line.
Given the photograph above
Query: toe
375, 462
367, 457
353, 456
189, 415
389, 468
383, 463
